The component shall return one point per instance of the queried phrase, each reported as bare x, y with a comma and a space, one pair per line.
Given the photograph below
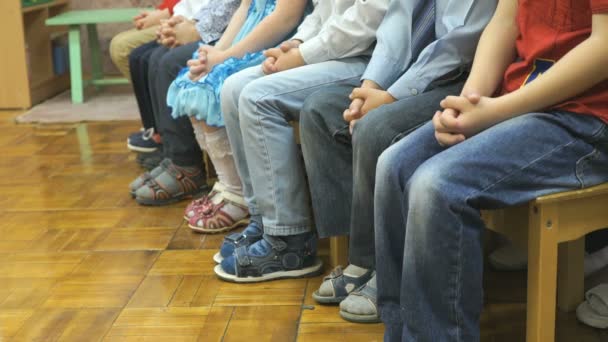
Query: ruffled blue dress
201, 98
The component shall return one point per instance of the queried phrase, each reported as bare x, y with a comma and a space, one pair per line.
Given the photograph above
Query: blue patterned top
201, 98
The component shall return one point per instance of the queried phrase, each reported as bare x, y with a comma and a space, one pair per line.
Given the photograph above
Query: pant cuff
286, 230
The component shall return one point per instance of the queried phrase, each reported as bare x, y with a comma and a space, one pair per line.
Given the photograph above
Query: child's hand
463, 117
273, 55
185, 32
149, 19
370, 99
445, 137
280, 61
209, 57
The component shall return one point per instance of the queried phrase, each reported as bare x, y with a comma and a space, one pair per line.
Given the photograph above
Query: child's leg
428, 227
267, 106
341, 172
123, 44
225, 209
214, 140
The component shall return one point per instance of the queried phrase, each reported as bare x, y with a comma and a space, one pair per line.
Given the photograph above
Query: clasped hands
208, 57
176, 31
365, 99
463, 117
286, 56
147, 19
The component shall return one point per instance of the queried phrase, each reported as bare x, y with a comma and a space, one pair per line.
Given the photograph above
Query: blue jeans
428, 227
258, 111
342, 168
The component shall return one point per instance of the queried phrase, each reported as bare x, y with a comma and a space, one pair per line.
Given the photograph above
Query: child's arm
579, 70
271, 29
234, 26
495, 51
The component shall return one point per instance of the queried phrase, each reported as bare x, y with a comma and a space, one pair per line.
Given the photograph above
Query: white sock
217, 146
354, 271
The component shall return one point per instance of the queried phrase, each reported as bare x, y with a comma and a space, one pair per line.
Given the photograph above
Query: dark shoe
172, 185
144, 142
272, 258
147, 176
250, 235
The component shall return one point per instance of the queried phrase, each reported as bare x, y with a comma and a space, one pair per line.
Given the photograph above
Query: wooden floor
81, 261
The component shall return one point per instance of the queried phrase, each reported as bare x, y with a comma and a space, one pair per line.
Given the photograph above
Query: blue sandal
250, 235
271, 258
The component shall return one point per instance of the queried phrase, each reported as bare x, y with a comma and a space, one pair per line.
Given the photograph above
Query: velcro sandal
147, 176
203, 204
250, 235
172, 185
271, 258
340, 286
361, 305
231, 212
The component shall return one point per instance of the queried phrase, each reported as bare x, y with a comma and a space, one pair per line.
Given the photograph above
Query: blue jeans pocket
592, 168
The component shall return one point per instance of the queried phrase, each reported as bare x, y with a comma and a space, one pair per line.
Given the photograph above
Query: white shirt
340, 28
188, 8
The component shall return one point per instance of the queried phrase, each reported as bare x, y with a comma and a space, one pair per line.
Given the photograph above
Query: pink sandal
230, 213
203, 204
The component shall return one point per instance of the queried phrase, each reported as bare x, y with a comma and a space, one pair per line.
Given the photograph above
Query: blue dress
201, 98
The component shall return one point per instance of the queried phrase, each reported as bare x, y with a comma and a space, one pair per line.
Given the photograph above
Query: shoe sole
311, 271
326, 300
175, 199
218, 258
219, 230
141, 149
359, 318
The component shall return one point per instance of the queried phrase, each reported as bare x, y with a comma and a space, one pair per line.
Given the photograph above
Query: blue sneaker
272, 258
144, 142
251, 234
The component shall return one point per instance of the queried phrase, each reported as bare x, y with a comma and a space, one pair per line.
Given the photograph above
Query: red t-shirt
168, 4
548, 30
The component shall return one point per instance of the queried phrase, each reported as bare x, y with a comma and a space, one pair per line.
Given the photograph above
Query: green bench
89, 18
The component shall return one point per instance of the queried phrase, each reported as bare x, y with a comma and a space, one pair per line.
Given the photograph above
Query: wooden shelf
20, 87
44, 6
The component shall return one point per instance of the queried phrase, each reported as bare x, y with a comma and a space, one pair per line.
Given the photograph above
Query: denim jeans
257, 111
427, 216
342, 170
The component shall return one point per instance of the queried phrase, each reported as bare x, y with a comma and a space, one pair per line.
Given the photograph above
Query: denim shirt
213, 18
404, 70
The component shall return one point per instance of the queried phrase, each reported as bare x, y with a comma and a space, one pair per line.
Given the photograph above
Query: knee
431, 184
312, 121
118, 48
252, 96
388, 170
371, 137
170, 63
229, 97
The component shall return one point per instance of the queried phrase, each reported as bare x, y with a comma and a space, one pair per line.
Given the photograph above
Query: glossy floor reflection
81, 261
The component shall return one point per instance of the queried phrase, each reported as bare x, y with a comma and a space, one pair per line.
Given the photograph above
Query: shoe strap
237, 200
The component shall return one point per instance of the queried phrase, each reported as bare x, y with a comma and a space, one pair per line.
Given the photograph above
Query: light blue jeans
257, 111
428, 227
